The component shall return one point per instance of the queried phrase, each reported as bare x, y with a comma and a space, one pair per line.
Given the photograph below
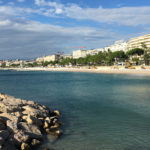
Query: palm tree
146, 53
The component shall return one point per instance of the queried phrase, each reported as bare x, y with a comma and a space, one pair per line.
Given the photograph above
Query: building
66, 56
136, 42
83, 53
54, 57
2, 63
94, 51
79, 54
117, 46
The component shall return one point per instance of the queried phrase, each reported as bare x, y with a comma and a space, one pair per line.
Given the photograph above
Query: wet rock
46, 148
9, 145
46, 124
4, 134
35, 142
55, 113
55, 126
53, 132
25, 146
2, 124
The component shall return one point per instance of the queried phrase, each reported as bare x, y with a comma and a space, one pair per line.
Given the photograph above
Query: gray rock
21, 123
31, 130
12, 125
32, 120
9, 145
28, 110
35, 142
4, 134
21, 137
2, 124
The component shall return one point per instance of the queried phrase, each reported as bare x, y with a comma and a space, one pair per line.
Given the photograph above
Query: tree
146, 53
136, 60
147, 58
134, 51
116, 56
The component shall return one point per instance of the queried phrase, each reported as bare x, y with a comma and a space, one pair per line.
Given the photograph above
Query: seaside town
132, 53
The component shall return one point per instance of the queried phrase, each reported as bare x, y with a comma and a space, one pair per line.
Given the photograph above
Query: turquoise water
99, 111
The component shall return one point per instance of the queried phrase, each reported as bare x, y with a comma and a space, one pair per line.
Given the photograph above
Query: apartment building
66, 56
48, 58
136, 42
117, 46
79, 54
83, 53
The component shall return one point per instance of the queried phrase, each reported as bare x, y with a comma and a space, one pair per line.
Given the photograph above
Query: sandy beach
102, 69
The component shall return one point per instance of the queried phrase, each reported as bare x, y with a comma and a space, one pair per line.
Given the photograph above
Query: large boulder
32, 130
30, 110
35, 142
25, 146
4, 134
9, 145
32, 120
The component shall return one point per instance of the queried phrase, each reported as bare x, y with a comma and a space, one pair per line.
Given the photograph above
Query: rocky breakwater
24, 124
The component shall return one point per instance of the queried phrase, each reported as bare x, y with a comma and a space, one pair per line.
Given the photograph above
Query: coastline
24, 124
102, 70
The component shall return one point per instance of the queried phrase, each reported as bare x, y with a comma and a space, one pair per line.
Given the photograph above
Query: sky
35, 28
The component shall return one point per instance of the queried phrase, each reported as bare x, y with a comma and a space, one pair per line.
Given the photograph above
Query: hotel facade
137, 42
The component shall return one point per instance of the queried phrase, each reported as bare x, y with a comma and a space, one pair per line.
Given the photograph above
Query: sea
98, 111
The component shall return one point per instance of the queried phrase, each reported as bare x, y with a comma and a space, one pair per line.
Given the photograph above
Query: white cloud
21, 1
128, 16
22, 39
4, 22
59, 11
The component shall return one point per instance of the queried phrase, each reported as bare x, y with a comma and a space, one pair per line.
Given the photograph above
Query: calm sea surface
99, 111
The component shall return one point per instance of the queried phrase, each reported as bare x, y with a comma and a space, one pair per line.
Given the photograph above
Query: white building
48, 58
137, 42
79, 54
94, 51
83, 53
66, 56
117, 46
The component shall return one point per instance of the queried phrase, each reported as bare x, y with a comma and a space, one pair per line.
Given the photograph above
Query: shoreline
102, 70
24, 124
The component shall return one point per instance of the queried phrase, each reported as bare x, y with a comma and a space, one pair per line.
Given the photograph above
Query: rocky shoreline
24, 124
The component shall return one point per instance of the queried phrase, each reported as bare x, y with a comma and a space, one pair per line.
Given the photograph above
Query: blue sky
33, 28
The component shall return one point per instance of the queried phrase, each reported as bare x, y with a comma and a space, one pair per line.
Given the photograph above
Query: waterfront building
83, 53
54, 57
66, 56
94, 51
79, 54
136, 42
117, 46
